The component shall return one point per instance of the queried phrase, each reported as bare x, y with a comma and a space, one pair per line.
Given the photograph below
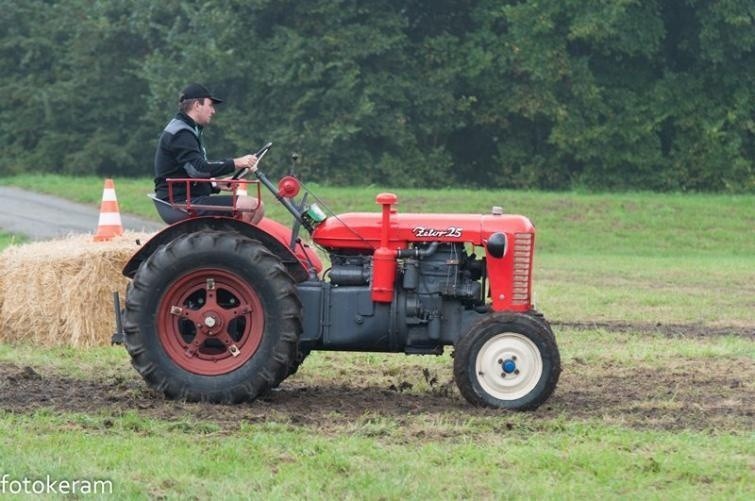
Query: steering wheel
261, 153
284, 200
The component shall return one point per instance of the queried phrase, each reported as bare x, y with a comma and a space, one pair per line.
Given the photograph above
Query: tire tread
155, 370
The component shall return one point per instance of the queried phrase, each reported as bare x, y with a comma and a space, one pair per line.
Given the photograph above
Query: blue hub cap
509, 366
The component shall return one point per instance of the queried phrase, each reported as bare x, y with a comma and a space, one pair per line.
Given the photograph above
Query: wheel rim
210, 322
508, 366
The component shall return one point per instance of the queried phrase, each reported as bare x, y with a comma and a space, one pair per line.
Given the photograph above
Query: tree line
550, 94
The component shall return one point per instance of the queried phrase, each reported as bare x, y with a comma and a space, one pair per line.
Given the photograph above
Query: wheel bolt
513, 357
503, 374
516, 371
500, 361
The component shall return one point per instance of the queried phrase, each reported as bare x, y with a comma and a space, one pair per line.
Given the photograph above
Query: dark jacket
180, 154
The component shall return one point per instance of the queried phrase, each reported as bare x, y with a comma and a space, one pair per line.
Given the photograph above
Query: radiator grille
522, 264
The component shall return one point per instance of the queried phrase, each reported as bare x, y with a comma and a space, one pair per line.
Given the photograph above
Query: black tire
540, 318
525, 349
266, 322
301, 355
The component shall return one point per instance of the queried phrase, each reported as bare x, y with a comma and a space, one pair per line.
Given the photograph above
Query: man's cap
197, 91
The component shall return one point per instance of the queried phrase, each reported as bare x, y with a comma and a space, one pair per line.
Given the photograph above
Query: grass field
653, 303
8, 239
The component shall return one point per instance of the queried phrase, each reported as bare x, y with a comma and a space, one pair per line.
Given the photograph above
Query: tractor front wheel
212, 316
508, 361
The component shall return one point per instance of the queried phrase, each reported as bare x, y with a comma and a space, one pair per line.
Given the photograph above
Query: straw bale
60, 292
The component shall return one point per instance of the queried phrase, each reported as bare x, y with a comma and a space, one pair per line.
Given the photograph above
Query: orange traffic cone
110, 224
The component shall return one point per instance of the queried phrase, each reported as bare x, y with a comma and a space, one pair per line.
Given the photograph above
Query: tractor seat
167, 212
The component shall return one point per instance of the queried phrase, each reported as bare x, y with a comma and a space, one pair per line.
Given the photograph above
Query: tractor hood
362, 229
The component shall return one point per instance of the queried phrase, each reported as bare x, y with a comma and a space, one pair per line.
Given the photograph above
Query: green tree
547, 94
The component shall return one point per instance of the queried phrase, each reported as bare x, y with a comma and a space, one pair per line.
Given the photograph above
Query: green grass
611, 429
631, 224
69, 361
650, 350
378, 456
420, 454
279, 461
706, 289
7, 239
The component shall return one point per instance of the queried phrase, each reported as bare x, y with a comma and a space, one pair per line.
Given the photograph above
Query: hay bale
60, 292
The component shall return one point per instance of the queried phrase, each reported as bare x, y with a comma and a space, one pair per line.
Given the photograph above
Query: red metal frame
191, 208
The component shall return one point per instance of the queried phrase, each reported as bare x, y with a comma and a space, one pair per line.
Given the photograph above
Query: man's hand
246, 162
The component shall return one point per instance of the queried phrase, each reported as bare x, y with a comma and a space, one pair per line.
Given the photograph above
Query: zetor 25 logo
451, 232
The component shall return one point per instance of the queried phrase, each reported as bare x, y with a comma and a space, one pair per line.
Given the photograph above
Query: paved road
41, 217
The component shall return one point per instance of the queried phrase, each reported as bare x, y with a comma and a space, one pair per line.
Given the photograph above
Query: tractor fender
273, 235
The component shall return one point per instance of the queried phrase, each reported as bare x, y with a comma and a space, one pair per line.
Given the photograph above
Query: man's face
204, 111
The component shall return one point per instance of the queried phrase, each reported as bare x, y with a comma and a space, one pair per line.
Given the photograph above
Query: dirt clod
25, 373
29, 373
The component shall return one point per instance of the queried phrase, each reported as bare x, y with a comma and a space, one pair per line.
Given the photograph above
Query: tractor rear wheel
509, 361
212, 316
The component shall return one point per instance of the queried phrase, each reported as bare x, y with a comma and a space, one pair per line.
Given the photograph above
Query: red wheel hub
210, 322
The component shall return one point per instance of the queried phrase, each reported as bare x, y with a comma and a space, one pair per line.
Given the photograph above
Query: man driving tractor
181, 154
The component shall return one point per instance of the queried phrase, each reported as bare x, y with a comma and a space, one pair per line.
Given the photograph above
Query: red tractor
222, 311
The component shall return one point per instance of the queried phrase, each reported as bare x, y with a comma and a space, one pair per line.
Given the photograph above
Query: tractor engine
405, 282
436, 284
